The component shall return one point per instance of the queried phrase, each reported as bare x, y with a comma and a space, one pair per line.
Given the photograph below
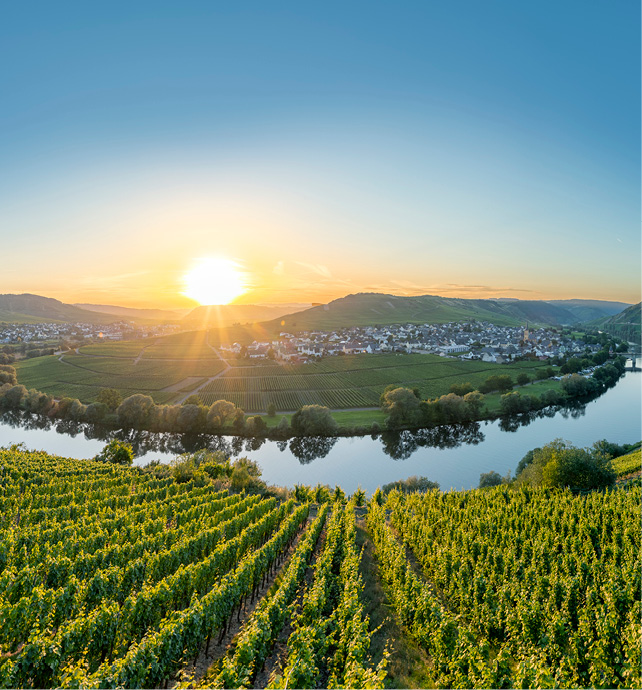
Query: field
171, 368
113, 577
628, 464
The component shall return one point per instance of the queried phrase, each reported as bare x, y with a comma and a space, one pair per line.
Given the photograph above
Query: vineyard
114, 577
168, 369
122, 577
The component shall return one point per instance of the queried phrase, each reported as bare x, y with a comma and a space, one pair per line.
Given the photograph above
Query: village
469, 341
12, 333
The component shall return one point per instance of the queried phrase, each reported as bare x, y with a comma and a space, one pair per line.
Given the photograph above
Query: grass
408, 664
492, 400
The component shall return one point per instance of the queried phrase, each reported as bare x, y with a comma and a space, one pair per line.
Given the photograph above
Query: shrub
461, 388
488, 479
314, 420
117, 452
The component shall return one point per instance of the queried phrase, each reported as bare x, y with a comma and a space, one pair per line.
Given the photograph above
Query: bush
410, 485
560, 464
461, 389
488, 479
117, 452
314, 420
109, 397
497, 382
402, 406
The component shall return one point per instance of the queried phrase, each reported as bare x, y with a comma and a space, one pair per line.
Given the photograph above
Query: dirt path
194, 391
408, 664
216, 651
277, 660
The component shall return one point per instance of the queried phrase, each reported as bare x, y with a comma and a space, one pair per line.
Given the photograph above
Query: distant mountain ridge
369, 309
228, 314
28, 308
133, 312
626, 324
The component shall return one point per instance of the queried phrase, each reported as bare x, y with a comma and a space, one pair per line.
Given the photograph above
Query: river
453, 456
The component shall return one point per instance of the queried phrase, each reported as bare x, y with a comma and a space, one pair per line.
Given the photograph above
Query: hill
624, 325
366, 309
173, 315
27, 308
590, 309
223, 315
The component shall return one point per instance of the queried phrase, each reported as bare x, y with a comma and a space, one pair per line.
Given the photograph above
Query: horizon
308, 305
426, 152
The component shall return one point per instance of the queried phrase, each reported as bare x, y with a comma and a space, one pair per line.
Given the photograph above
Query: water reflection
309, 448
398, 445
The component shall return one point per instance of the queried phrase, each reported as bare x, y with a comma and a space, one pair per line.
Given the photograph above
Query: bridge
634, 355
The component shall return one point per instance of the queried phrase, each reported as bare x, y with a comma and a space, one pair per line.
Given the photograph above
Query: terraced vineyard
171, 368
517, 588
117, 577
112, 577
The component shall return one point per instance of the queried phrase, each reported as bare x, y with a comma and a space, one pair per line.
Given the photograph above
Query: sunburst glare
214, 280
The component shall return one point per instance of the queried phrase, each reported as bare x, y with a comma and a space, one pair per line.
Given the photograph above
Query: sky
460, 148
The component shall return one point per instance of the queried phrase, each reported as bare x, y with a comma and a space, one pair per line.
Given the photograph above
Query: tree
474, 400
110, 397
190, 418
134, 411
95, 412
514, 403
8, 375
560, 464
488, 479
461, 388
220, 412
497, 382
192, 400
271, 410
523, 379
314, 420
256, 425
117, 452
453, 409
575, 385
14, 396
571, 366
403, 407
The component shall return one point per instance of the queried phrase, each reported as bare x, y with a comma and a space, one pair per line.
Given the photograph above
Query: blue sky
456, 148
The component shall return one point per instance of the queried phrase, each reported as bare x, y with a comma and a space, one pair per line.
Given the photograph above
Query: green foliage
359, 497
497, 382
575, 385
560, 464
488, 479
410, 485
117, 452
461, 388
402, 406
110, 397
313, 420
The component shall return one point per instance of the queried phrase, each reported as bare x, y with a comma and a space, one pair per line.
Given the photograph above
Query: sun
214, 280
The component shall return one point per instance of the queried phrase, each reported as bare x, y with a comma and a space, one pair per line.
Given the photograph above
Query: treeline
406, 409
141, 412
